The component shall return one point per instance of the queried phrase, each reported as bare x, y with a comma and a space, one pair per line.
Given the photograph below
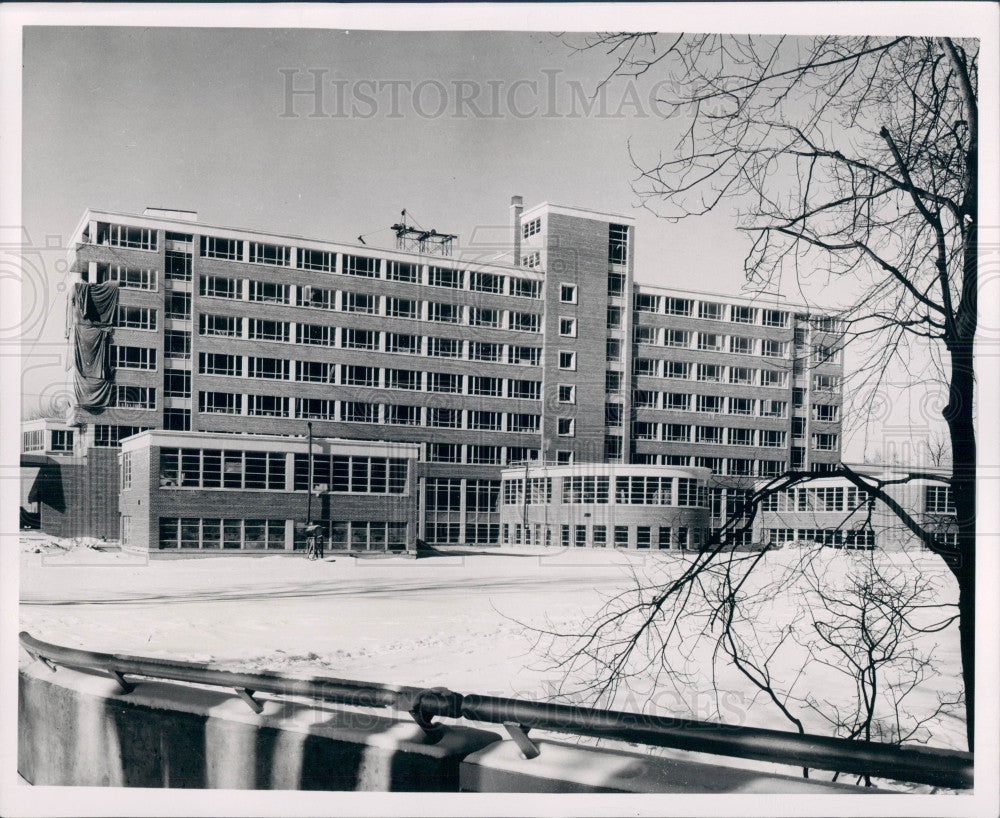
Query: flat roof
579, 212
201, 228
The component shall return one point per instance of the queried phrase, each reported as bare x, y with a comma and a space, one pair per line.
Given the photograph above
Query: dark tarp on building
95, 307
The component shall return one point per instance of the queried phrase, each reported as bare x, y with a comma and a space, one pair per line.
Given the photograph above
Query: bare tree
852, 162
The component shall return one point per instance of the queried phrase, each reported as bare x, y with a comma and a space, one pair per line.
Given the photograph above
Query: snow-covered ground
462, 621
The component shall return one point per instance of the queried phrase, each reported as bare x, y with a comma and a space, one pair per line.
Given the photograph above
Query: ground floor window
216, 533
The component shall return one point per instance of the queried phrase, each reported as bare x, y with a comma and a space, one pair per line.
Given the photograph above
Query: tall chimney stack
516, 209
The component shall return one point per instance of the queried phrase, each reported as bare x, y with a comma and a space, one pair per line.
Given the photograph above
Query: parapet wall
78, 728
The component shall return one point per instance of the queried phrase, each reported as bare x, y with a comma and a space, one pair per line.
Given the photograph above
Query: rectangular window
359, 412
220, 403
613, 350
825, 442
938, 500
315, 372
225, 326
319, 260
402, 415
741, 437
679, 306
742, 375
677, 369
486, 283
647, 303
567, 293
444, 453
364, 303
774, 377
135, 397
177, 383
120, 235
359, 375
488, 387
710, 341
267, 292
677, 401
360, 339
444, 382
178, 305
612, 382
529, 390
743, 315
519, 422
621, 536
177, 266
220, 287
740, 345
275, 369
531, 356
316, 335
225, 249
484, 455
444, 313
708, 434
272, 254
403, 379
481, 317
826, 382
176, 344
645, 399
614, 317
567, 360
127, 277
676, 433
773, 349
567, 327
484, 351
443, 277
709, 403
133, 358
315, 408
525, 288
401, 271
262, 330
775, 318
773, 408
709, 372
825, 412
613, 414
710, 311
317, 298
402, 308
109, 436
142, 318
741, 406
361, 266
532, 261
269, 406
531, 228
485, 421
444, 347
524, 321
402, 343
645, 335
617, 244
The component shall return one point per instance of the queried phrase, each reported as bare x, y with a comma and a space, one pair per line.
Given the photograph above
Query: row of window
710, 404
218, 533
733, 313
597, 489
367, 267
813, 498
732, 466
711, 341
719, 435
862, 539
216, 468
681, 538
331, 409
710, 373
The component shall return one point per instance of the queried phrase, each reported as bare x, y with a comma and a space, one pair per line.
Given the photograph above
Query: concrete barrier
76, 728
568, 768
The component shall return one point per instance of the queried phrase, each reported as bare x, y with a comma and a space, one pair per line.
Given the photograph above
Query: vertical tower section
587, 258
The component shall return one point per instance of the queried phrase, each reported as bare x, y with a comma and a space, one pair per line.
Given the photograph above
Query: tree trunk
959, 415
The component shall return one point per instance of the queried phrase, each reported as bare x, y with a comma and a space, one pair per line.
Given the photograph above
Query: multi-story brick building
552, 353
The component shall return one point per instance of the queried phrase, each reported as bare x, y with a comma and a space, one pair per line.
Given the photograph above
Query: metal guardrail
922, 765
